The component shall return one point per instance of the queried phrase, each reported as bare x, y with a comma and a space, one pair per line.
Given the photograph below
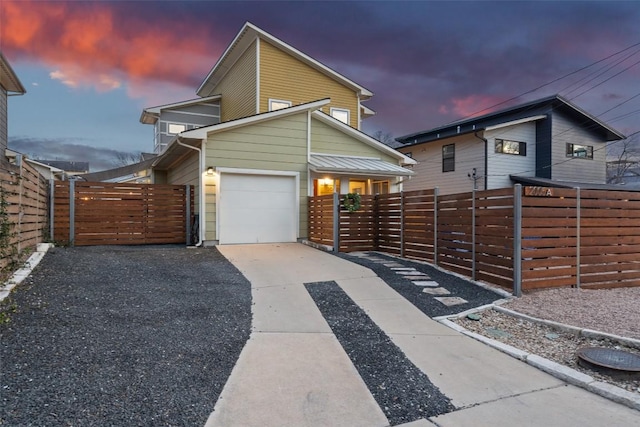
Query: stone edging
22, 273
559, 371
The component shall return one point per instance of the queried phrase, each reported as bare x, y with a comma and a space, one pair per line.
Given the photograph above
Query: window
380, 187
175, 128
340, 114
448, 158
577, 150
511, 147
324, 186
278, 104
359, 187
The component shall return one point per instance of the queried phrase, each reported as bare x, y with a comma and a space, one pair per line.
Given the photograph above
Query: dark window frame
575, 151
448, 158
501, 143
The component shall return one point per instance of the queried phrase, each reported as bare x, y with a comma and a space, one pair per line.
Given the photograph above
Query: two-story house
272, 126
9, 85
545, 141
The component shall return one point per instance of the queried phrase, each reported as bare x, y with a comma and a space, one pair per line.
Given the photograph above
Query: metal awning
328, 163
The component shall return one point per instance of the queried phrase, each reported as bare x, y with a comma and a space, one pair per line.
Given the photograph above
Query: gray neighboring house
171, 119
9, 85
549, 139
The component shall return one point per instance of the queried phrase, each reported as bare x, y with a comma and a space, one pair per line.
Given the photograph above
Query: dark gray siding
543, 148
191, 117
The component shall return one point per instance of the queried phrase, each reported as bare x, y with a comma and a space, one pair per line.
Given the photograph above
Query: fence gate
98, 213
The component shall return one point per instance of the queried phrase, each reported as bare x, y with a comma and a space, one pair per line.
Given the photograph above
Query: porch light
210, 171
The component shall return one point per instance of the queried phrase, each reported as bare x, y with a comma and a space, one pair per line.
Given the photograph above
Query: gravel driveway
114, 336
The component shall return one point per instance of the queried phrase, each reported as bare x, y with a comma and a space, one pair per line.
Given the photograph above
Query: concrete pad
451, 301
399, 316
428, 283
436, 291
469, 372
289, 263
368, 288
295, 380
287, 308
565, 406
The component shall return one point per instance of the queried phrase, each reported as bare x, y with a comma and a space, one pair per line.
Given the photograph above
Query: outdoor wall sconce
210, 171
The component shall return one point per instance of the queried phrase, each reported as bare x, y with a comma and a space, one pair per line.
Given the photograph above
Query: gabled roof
243, 40
150, 115
535, 110
8, 79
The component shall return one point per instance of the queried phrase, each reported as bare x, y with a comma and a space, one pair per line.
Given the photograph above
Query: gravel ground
114, 336
403, 392
546, 342
474, 294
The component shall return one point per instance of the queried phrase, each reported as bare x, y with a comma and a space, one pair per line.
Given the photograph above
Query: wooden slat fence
25, 211
543, 238
120, 214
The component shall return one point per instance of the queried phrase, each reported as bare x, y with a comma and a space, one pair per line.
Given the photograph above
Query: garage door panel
257, 208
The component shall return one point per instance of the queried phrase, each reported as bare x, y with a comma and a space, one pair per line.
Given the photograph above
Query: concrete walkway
294, 372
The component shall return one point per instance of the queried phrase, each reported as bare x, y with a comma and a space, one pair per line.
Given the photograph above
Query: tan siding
277, 145
327, 140
3, 121
238, 88
286, 78
428, 171
187, 173
576, 169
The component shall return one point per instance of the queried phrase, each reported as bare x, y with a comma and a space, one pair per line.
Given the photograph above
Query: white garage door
257, 208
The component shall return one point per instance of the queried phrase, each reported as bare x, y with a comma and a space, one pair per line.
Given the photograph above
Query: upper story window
577, 150
175, 128
341, 114
511, 147
278, 104
449, 158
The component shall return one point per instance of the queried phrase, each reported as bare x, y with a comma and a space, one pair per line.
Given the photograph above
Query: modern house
9, 85
548, 141
272, 126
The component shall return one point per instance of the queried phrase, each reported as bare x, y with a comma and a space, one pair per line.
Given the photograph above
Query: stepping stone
428, 283
402, 268
410, 272
497, 333
394, 264
418, 278
451, 301
436, 291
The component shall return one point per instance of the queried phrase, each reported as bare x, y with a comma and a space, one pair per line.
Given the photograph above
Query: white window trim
281, 101
177, 124
342, 110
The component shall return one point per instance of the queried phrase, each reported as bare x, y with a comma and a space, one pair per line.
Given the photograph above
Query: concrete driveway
295, 372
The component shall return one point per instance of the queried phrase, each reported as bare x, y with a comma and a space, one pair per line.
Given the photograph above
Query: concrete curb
22, 273
564, 373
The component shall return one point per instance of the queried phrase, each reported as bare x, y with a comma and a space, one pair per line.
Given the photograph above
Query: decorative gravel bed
403, 392
545, 341
121, 336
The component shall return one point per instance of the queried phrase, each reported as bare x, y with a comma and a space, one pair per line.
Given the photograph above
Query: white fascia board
201, 133
515, 122
153, 113
337, 124
250, 30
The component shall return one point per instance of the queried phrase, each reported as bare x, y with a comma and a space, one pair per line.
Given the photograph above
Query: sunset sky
91, 67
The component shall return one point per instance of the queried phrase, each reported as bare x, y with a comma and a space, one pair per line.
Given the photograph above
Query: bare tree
384, 137
627, 156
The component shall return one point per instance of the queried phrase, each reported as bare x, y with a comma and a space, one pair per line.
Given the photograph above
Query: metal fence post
578, 243
52, 187
188, 213
473, 234
436, 192
336, 222
517, 240
72, 212
402, 224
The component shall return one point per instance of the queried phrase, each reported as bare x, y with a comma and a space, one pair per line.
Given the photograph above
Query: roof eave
9, 79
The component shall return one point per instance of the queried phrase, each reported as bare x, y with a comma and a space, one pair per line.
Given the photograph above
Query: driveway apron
293, 371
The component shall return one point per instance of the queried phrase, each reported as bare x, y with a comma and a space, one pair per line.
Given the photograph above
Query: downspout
486, 158
202, 193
